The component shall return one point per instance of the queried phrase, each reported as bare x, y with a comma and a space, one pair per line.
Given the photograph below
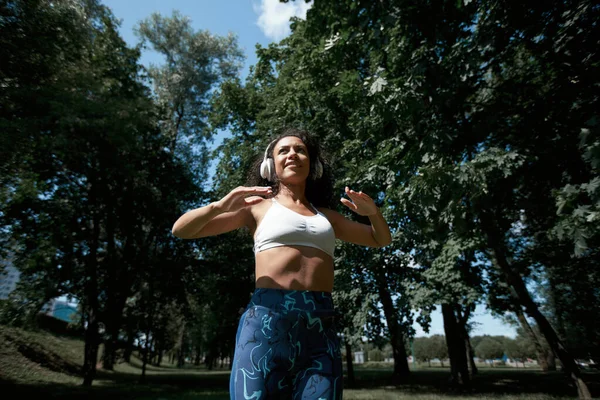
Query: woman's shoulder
332, 215
260, 208
326, 210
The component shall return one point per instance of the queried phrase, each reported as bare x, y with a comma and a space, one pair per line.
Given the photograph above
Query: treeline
99, 157
486, 348
474, 125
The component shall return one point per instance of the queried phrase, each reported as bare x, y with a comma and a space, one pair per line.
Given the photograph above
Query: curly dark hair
319, 191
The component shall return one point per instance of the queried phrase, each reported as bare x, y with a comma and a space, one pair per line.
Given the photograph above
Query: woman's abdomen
294, 268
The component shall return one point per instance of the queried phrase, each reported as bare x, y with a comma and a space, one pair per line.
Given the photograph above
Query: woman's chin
293, 178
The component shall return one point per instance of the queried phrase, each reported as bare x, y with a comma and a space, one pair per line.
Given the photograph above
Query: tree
423, 349
428, 348
444, 110
195, 63
519, 350
89, 203
439, 348
489, 349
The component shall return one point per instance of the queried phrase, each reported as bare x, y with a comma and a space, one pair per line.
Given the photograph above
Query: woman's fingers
348, 204
243, 196
351, 192
357, 196
249, 201
354, 197
245, 190
361, 202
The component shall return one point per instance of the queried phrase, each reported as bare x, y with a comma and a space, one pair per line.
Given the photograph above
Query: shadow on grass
202, 384
488, 382
47, 359
118, 385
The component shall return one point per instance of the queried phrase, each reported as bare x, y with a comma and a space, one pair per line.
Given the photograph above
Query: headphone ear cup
318, 169
267, 169
264, 169
271, 169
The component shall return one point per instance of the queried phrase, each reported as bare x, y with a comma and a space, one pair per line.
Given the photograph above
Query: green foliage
194, 63
451, 113
91, 197
428, 348
489, 349
472, 124
519, 350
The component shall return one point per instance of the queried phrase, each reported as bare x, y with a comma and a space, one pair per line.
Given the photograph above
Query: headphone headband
267, 149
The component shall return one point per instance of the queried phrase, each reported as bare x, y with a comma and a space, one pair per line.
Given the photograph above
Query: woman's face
292, 162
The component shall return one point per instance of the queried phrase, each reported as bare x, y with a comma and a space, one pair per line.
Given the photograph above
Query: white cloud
274, 17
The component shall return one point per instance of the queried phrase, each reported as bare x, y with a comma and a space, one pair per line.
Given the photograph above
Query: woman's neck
296, 193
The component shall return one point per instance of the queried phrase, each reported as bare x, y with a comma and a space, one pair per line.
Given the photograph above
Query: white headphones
267, 167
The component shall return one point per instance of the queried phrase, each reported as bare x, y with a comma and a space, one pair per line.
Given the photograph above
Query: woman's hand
239, 198
361, 203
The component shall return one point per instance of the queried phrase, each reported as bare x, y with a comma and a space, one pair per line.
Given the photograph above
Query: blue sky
254, 22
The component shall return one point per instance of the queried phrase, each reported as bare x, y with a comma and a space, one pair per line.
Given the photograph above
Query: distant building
359, 357
57, 308
9, 276
61, 309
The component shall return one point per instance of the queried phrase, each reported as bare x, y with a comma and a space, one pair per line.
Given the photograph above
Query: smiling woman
286, 344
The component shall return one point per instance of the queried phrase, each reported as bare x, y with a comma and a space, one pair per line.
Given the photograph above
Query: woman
286, 344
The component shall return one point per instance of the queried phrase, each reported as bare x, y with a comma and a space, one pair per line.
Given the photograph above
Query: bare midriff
294, 268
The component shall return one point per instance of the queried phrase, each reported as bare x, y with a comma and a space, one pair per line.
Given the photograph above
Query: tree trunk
209, 359
145, 356
396, 338
456, 347
350, 366
463, 319
539, 349
197, 356
129, 346
91, 349
470, 357
150, 321
110, 336
108, 354
181, 359
91, 290
111, 342
551, 361
519, 291
160, 357
181, 353
152, 353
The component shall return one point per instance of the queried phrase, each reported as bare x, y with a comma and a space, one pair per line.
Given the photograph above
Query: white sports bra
283, 227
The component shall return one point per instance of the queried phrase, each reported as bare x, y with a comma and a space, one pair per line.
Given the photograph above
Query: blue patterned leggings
287, 348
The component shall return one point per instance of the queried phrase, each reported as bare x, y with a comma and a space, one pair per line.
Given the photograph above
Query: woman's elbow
384, 242
180, 233
175, 232
381, 245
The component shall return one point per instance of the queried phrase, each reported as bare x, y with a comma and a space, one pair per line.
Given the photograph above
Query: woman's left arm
376, 235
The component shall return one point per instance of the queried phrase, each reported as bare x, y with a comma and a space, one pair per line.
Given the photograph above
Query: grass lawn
48, 367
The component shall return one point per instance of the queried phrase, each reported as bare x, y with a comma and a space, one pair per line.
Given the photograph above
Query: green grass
48, 366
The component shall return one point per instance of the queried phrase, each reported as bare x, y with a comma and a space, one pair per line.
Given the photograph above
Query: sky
255, 22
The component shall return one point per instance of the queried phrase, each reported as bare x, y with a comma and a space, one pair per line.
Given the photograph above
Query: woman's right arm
225, 215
